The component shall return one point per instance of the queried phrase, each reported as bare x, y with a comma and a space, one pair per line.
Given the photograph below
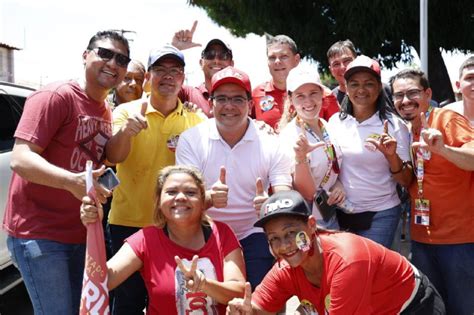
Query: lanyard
328, 149
421, 155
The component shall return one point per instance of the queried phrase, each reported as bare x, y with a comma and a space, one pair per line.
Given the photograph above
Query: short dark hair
469, 62
410, 73
113, 35
281, 39
340, 47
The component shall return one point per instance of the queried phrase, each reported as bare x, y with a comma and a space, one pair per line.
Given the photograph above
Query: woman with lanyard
334, 273
375, 148
316, 158
188, 262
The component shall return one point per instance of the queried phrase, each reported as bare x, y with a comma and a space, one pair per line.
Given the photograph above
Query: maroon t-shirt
71, 128
197, 95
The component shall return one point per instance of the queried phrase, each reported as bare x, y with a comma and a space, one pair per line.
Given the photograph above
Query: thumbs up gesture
260, 196
219, 191
241, 306
136, 122
195, 279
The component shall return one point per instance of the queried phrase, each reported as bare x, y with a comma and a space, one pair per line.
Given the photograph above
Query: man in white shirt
231, 140
465, 85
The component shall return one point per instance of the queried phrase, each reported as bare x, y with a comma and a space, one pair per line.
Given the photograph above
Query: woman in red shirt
336, 273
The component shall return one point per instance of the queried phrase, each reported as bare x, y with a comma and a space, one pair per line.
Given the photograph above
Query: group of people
213, 204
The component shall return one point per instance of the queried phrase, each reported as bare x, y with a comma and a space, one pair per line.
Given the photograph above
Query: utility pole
424, 35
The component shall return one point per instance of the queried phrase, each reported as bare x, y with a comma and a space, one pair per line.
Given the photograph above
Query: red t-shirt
197, 95
449, 188
268, 103
71, 128
164, 281
359, 277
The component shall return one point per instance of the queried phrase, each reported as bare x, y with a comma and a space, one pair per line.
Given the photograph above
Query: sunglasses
106, 54
212, 54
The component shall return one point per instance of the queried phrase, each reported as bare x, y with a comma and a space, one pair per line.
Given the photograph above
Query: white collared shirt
365, 175
257, 154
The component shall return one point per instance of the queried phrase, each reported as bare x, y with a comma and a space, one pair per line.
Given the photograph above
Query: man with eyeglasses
144, 140
232, 140
63, 125
216, 56
442, 220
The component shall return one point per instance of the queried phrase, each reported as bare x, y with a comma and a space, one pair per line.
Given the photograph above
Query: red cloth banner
95, 295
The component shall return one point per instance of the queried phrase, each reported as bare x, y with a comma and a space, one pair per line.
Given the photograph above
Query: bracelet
404, 164
305, 161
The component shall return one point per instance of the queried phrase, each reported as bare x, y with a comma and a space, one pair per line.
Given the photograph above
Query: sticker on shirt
306, 308
194, 302
267, 102
302, 241
172, 142
370, 146
327, 303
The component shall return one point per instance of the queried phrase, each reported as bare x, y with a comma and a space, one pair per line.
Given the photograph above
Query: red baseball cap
231, 75
363, 63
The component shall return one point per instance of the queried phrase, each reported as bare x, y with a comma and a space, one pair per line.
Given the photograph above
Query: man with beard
63, 125
443, 194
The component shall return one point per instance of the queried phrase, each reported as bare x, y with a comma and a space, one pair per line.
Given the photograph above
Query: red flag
95, 295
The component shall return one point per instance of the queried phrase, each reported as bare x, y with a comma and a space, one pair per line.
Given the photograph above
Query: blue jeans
258, 259
451, 269
384, 226
130, 297
52, 273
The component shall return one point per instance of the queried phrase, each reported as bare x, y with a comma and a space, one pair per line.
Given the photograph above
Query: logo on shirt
267, 102
195, 302
172, 142
307, 308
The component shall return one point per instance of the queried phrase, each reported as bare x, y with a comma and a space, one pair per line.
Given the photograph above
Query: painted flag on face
95, 295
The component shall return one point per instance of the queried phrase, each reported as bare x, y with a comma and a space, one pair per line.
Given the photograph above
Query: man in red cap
232, 149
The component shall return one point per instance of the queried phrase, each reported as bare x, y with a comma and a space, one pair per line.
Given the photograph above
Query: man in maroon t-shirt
63, 125
216, 56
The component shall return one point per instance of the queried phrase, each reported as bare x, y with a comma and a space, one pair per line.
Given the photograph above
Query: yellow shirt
152, 149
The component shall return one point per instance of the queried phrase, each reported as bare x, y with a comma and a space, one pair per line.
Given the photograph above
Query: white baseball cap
303, 74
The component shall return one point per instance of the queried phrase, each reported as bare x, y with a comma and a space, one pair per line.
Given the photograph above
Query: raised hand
302, 146
195, 279
260, 196
238, 306
386, 144
90, 212
430, 139
183, 39
219, 191
136, 122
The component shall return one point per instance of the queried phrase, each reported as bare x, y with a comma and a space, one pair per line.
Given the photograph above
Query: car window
11, 107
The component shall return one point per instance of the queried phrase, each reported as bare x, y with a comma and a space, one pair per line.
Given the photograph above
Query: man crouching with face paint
331, 272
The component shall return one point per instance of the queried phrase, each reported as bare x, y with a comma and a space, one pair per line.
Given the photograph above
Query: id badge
422, 212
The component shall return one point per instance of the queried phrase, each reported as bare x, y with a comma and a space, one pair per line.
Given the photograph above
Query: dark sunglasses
107, 54
212, 54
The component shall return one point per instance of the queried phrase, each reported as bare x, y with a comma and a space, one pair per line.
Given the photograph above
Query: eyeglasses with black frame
107, 54
222, 100
161, 71
212, 54
412, 94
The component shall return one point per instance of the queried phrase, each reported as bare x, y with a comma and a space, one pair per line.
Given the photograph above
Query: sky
52, 35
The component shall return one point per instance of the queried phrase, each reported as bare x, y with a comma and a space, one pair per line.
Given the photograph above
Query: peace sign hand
183, 39
195, 279
241, 306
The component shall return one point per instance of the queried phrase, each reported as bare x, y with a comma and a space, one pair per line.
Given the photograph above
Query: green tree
382, 29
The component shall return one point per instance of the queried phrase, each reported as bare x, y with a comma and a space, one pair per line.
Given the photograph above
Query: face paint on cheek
303, 242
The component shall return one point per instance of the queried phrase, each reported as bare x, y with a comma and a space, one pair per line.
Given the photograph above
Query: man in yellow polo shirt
145, 135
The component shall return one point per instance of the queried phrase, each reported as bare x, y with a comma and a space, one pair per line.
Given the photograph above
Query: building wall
6, 65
